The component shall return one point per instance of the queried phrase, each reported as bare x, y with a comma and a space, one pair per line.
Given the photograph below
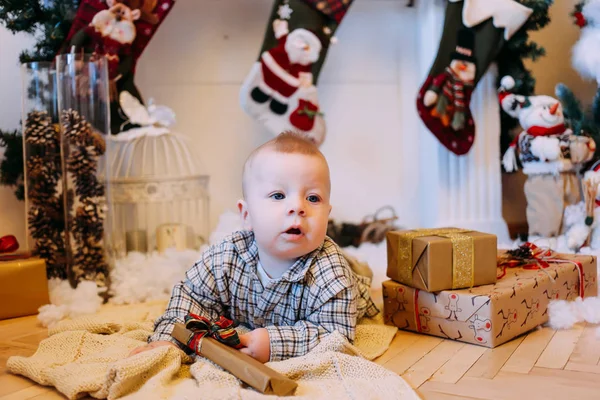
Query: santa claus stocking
280, 89
119, 30
474, 32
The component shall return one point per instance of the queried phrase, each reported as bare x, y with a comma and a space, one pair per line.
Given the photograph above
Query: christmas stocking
280, 89
474, 32
119, 30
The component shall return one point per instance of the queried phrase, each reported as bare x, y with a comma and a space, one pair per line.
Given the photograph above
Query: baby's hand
256, 344
151, 346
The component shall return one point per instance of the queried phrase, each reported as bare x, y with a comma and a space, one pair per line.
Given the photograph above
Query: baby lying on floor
283, 277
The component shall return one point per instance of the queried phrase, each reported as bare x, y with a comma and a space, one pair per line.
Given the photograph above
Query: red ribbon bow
221, 330
8, 244
530, 256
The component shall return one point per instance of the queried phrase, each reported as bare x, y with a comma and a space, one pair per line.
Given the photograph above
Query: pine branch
571, 106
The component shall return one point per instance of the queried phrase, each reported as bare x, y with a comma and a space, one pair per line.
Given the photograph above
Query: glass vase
43, 167
83, 107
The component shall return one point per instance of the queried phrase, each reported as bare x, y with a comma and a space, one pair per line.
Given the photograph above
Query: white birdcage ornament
160, 199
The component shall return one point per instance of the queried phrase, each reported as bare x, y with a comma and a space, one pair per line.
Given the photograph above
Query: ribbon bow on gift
8, 244
530, 256
221, 330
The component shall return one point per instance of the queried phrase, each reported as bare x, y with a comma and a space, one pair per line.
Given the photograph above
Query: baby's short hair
288, 142
293, 142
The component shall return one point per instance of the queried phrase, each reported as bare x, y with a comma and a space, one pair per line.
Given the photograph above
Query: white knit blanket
88, 356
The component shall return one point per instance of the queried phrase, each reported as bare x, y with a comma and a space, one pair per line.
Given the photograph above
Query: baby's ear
244, 214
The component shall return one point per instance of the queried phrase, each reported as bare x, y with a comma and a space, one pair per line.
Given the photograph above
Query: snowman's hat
511, 103
465, 45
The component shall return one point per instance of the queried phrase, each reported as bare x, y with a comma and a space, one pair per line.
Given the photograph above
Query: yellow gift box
23, 287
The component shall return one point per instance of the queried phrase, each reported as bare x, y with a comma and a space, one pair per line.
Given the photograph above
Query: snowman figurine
550, 154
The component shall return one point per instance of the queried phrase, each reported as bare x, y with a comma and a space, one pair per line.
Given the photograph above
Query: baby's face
287, 196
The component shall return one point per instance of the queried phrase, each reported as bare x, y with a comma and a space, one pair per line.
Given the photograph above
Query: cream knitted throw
88, 355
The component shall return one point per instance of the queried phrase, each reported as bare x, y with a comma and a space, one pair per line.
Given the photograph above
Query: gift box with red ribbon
218, 341
490, 315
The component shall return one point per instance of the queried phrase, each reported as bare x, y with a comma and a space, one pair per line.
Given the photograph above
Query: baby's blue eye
277, 196
313, 199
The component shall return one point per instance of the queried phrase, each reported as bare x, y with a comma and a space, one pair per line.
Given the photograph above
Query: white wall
202, 53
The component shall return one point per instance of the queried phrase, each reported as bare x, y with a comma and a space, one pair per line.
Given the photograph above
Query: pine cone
88, 223
39, 130
81, 162
87, 186
98, 143
89, 264
76, 128
52, 250
40, 225
42, 181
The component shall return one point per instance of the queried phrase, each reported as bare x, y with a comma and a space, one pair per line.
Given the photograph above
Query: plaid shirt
318, 294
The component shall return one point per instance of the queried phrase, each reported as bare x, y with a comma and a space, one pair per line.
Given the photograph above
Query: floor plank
509, 385
26, 393
464, 359
423, 369
571, 366
587, 349
493, 360
557, 353
401, 342
432, 395
528, 352
406, 358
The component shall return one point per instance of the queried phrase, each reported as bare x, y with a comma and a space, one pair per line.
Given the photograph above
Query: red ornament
580, 19
8, 244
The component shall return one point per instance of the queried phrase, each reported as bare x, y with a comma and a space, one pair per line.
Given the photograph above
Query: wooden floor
543, 364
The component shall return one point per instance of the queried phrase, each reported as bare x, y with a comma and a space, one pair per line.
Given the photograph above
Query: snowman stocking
474, 32
280, 89
119, 30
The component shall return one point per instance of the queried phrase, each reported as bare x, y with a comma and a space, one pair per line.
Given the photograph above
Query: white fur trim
510, 160
277, 70
507, 14
552, 167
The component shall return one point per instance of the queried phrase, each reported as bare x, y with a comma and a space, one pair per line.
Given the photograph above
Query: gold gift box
23, 287
436, 256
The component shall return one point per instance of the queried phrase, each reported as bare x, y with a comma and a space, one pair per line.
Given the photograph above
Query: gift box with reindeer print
490, 315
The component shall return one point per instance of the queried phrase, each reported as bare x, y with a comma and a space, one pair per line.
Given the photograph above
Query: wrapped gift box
492, 314
441, 259
247, 369
23, 287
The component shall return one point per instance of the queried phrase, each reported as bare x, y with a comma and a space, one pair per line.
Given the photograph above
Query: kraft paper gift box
23, 287
492, 314
247, 369
441, 259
